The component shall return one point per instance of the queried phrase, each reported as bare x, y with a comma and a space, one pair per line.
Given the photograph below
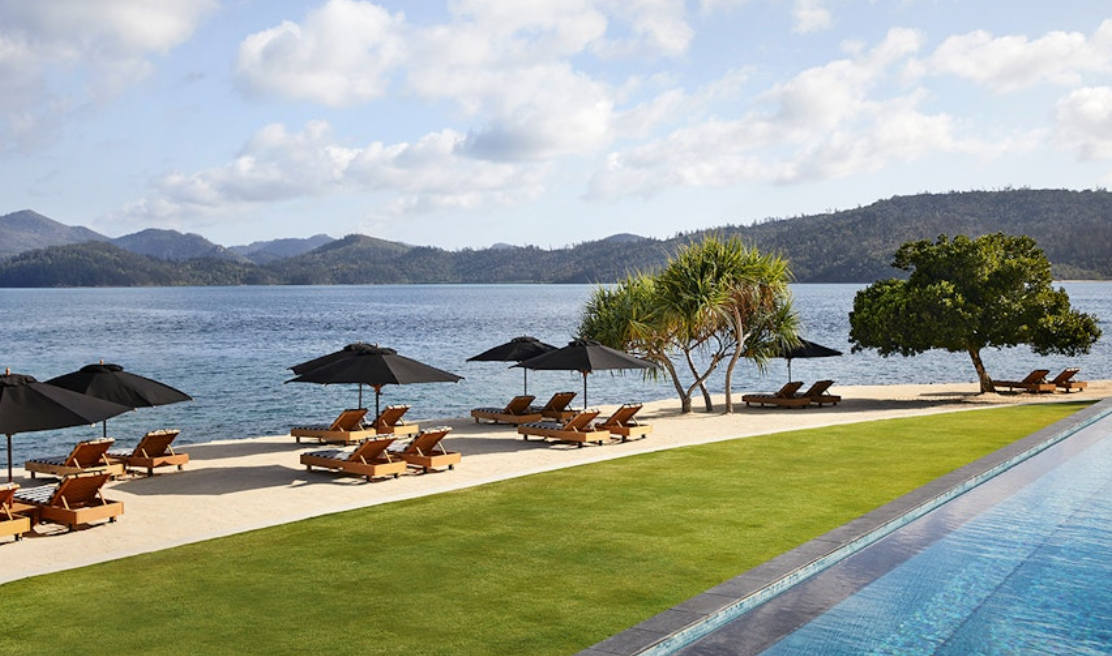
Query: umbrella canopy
111, 383
807, 349
368, 364
515, 350
585, 356
27, 405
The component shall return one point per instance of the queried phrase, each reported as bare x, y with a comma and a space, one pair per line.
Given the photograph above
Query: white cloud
807, 15
61, 55
343, 54
506, 65
824, 123
1084, 122
811, 16
659, 26
277, 165
1010, 63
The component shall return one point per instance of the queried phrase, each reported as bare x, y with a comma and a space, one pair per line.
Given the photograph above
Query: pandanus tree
965, 295
716, 301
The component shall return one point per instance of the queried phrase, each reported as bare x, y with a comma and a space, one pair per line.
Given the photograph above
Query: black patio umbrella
517, 349
585, 356
111, 383
807, 349
368, 364
27, 405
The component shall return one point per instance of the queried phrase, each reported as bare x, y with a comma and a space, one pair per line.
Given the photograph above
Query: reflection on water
230, 348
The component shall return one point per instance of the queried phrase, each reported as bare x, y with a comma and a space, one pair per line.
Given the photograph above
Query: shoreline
234, 486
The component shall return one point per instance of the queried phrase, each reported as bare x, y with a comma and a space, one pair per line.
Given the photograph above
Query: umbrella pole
104, 428
360, 395
584, 390
9, 457
525, 377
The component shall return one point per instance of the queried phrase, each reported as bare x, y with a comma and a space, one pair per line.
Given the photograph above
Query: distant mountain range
1074, 228
28, 230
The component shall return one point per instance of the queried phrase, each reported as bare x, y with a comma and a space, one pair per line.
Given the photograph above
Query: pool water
1019, 565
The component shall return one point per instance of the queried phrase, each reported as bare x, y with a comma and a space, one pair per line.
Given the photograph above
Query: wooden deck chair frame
818, 396
577, 429
1035, 382
557, 407
346, 429
12, 520
518, 411
154, 450
88, 456
786, 397
427, 451
622, 423
1065, 382
389, 421
369, 459
77, 501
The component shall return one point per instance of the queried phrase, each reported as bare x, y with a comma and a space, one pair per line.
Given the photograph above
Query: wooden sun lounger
370, 460
154, 450
75, 501
818, 396
427, 451
1035, 382
576, 429
89, 456
557, 407
347, 429
1065, 382
389, 421
12, 520
785, 398
517, 411
623, 424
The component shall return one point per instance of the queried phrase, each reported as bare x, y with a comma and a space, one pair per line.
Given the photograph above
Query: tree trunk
700, 381
685, 396
739, 342
982, 374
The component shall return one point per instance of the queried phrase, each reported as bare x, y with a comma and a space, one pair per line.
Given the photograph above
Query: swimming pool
1019, 564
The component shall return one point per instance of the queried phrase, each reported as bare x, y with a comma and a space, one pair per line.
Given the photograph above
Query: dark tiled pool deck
689, 620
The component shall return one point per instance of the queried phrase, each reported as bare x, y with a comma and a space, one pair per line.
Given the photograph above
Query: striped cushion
39, 495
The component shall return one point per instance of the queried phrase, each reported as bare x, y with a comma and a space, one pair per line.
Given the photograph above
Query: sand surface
239, 485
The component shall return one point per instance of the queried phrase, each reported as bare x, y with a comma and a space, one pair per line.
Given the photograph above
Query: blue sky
548, 122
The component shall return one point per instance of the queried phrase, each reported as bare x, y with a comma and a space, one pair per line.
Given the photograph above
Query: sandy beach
240, 485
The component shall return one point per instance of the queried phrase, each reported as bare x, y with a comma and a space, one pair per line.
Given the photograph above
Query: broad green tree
965, 295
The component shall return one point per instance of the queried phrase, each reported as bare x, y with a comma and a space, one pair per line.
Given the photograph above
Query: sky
466, 123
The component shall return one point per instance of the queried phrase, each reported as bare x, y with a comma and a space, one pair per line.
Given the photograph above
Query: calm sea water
230, 348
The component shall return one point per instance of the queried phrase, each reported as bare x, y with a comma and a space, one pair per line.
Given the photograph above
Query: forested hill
1074, 228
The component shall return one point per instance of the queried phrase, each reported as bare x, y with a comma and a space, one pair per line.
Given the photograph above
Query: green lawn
546, 564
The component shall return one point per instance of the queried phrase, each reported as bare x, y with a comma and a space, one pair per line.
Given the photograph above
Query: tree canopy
965, 295
715, 301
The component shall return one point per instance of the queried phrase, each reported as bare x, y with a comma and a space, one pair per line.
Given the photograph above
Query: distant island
1074, 228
